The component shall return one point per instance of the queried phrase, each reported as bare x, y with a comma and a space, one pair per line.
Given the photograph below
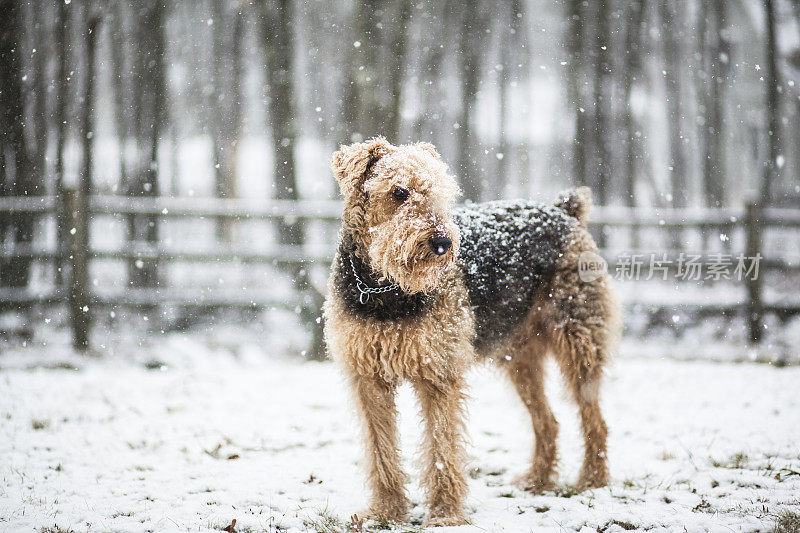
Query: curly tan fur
574, 320
577, 203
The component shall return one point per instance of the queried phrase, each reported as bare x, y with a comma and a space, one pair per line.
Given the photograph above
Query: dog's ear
428, 147
350, 163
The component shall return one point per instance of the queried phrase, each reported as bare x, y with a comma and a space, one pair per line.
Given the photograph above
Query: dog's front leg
444, 480
375, 399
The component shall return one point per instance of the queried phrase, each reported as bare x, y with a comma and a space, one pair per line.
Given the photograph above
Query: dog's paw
590, 483
532, 483
388, 513
443, 520
592, 478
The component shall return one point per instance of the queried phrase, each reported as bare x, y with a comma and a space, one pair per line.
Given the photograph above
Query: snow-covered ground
216, 436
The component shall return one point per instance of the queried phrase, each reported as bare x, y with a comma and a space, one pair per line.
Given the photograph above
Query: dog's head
398, 202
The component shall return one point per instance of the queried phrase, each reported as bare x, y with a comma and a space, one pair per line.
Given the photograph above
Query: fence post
755, 305
77, 205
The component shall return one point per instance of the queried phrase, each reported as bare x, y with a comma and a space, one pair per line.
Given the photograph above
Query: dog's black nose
440, 244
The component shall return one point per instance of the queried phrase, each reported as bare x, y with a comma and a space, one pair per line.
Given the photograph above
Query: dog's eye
400, 194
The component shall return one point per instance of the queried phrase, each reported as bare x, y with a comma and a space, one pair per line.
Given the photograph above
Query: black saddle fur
509, 252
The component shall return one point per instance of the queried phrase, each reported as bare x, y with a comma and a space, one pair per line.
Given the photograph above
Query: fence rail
285, 255
77, 252
331, 210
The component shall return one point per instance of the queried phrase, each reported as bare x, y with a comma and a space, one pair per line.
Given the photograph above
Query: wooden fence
77, 253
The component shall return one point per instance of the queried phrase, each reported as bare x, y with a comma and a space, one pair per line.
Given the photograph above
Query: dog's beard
403, 255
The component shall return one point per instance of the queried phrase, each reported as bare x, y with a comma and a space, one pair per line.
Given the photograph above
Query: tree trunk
377, 62
278, 46
121, 88
713, 133
227, 96
508, 60
632, 71
18, 176
150, 120
502, 141
60, 118
361, 100
796, 129
428, 123
278, 43
351, 94
576, 89
602, 104
772, 108
40, 84
670, 33
80, 302
470, 49
397, 69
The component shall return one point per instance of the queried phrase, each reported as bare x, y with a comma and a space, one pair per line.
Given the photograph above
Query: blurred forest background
662, 104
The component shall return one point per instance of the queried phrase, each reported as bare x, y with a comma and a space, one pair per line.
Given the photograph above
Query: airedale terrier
420, 290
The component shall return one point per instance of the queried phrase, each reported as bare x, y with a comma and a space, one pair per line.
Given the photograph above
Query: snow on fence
77, 250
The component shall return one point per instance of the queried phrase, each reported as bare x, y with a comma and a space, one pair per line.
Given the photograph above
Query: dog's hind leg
376, 402
527, 374
442, 405
585, 326
581, 363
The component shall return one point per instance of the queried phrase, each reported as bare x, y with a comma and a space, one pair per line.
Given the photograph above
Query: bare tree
470, 52
377, 56
150, 120
397, 66
80, 309
361, 110
430, 92
40, 80
670, 35
589, 92
772, 106
715, 55
278, 46
512, 53
576, 88
632, 75
121, 85
18, 177
602, 103
60, 119
794, 60
226, 102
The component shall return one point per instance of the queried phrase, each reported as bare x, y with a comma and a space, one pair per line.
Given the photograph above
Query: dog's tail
576, 203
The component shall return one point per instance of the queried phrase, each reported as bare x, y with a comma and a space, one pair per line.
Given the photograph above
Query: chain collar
364, 289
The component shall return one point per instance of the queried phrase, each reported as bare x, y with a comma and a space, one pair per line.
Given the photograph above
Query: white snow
274, 444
